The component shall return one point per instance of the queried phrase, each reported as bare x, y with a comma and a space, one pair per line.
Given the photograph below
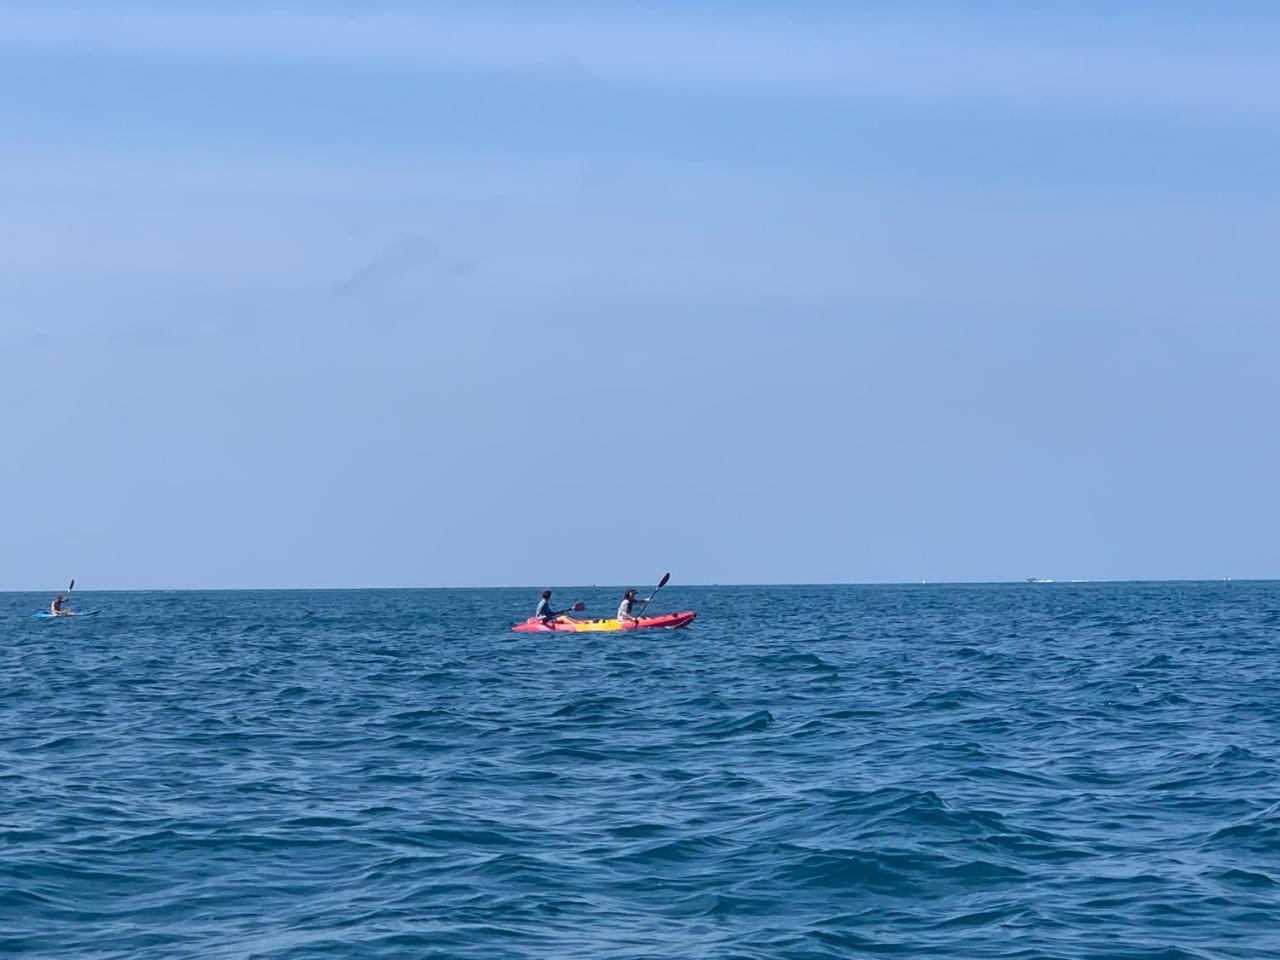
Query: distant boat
1037, 580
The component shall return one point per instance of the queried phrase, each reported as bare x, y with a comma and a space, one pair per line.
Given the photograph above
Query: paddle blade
663, 582
72, 585
579, 607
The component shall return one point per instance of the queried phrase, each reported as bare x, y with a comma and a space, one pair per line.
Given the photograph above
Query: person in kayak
624, 608
549, 616
59, 607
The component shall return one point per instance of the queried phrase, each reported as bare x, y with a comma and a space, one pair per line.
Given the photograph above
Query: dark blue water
1068, 771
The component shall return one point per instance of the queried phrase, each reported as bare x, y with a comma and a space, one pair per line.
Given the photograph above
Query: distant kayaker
59, 607
624, 608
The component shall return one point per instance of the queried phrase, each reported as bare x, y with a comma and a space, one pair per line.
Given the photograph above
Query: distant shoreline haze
536, 588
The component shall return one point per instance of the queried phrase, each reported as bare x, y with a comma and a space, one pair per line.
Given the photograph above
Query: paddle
576, 608
661, 583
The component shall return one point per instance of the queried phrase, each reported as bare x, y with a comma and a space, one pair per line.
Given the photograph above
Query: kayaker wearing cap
624, 608
59, 607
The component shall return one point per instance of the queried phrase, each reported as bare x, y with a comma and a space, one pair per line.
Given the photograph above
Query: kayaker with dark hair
624, 608
544, 611
59, 606
547, 615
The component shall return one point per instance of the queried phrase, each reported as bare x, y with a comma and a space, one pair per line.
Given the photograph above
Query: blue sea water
1047, 771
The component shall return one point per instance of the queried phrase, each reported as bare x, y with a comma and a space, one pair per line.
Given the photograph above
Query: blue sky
347, 294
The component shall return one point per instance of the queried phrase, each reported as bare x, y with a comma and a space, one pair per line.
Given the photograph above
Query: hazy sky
347, 294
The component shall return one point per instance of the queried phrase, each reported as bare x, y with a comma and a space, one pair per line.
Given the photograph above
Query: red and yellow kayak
667, 620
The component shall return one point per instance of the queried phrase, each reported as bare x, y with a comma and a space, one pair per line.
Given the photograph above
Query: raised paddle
661, 583
70, 586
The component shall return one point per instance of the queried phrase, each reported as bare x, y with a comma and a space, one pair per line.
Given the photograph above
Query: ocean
1014, 770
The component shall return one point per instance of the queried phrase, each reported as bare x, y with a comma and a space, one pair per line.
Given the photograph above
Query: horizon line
593, 586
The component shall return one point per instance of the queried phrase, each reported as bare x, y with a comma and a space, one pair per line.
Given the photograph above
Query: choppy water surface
990, 771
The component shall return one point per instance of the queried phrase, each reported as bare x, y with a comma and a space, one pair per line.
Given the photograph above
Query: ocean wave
976, 772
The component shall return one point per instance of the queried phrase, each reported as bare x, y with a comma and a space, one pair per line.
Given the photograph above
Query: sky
343, 294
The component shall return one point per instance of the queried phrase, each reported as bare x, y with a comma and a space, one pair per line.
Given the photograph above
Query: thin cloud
905, 55
404, 264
